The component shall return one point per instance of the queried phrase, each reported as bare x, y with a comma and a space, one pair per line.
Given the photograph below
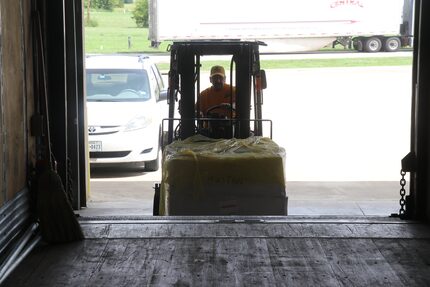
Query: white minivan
125, 107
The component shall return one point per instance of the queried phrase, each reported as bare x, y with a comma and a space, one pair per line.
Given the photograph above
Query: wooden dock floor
275, 251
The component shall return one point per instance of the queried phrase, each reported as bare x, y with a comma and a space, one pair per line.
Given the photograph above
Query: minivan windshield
117, 85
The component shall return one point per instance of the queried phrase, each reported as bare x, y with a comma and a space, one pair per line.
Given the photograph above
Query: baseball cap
217, 70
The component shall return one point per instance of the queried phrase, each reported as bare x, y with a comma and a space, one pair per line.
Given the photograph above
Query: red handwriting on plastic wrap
338, 3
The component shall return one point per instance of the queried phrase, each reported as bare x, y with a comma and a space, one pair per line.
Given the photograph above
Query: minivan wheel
154, 165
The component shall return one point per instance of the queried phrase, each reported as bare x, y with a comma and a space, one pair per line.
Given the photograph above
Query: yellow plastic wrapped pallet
204, 176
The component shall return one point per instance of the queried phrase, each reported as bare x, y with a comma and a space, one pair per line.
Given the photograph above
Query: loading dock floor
239, 251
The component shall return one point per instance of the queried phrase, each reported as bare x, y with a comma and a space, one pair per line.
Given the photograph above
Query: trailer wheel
372, 45
357, 44
392, 44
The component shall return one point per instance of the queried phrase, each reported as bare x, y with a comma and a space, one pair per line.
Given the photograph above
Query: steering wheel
218, 128
129, 93
224, 106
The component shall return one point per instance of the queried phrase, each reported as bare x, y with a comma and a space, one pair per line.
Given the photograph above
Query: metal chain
402, 200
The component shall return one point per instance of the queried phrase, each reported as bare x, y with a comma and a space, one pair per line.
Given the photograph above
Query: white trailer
286, 25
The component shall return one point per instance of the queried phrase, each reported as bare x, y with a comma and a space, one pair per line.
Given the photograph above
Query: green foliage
140, 13
103, 4
119, 3
107, 5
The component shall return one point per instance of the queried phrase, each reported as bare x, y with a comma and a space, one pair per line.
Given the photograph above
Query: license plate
95, 146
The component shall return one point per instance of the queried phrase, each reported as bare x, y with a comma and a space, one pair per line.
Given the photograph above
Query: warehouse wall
16, 97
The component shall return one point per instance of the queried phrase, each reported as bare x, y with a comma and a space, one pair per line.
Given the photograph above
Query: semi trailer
288, 25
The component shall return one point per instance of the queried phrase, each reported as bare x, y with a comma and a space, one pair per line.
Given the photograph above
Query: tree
88, 10
140, 13
107, 5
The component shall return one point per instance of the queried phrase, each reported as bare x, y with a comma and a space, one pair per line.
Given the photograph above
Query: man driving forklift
219, 96
217, 102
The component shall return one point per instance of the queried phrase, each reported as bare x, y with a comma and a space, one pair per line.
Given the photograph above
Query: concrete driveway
345, 131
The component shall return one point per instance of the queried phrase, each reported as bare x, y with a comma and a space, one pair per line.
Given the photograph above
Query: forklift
194, 132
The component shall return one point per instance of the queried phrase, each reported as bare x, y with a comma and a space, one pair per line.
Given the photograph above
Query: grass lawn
349, 62
112, 32
314, 63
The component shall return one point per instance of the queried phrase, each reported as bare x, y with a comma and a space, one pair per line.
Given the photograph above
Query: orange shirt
210, 97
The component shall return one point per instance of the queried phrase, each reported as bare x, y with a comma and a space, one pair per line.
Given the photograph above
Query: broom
58, 222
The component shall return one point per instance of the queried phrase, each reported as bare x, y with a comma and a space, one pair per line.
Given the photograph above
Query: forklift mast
184, 84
